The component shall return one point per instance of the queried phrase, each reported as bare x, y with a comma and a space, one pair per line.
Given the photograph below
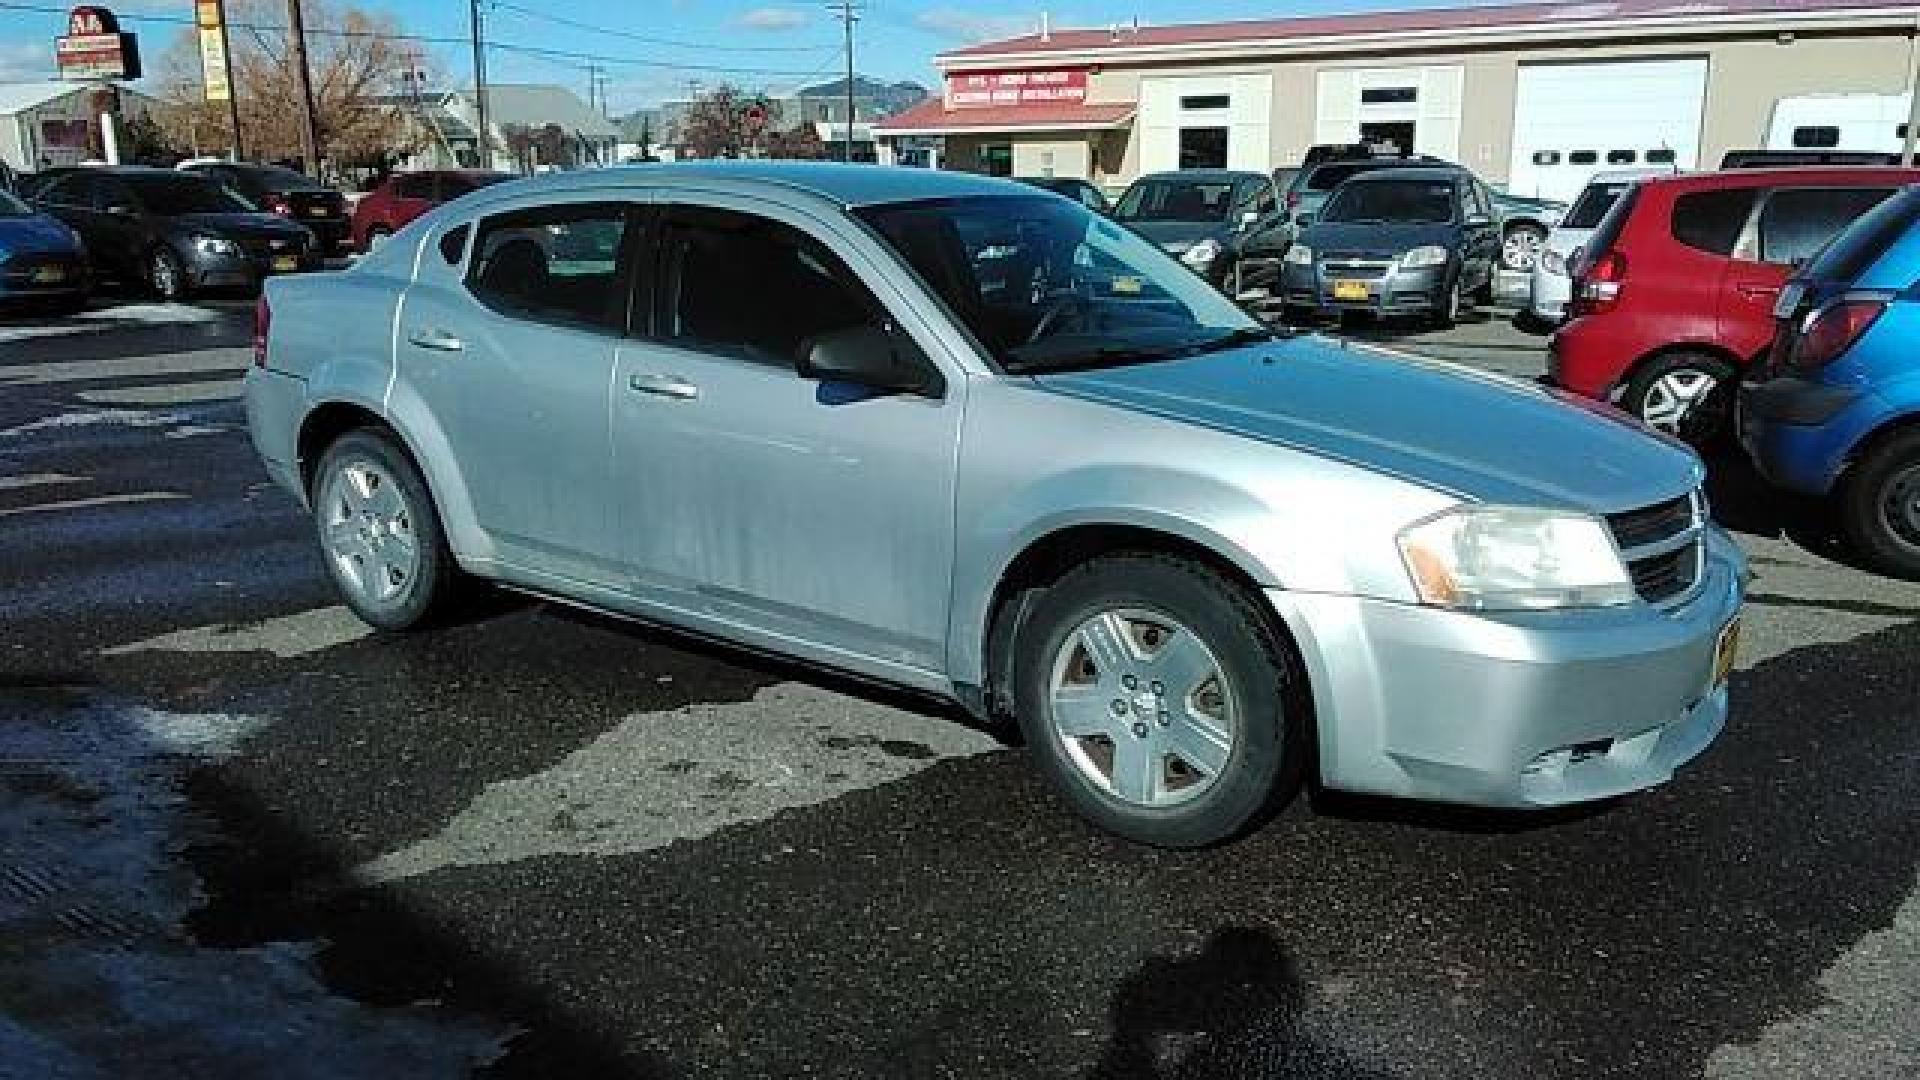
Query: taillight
262, 323
280, 206
1833, 329
1600, 281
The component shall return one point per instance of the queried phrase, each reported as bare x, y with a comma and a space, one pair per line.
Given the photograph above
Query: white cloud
26, 61
772, 18
961, 25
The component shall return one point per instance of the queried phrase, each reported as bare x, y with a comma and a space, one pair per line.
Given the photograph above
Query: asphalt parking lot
240, 835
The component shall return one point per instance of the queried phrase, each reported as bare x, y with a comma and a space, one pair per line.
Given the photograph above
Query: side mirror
871, 357
1479, 221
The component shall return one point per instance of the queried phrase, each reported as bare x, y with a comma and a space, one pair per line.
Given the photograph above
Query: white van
1875, 123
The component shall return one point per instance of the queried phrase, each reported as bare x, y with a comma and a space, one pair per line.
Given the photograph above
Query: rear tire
1521, 245
1688, 395
379, 533
1160, 702
1880, 505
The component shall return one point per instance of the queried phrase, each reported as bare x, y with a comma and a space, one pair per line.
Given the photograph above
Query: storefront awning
934, 118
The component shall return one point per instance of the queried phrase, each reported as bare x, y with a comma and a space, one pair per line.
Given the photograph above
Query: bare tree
728, 124
800, 143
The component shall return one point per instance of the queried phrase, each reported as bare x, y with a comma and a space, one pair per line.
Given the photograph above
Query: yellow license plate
47, 275
1725, 653
284, 263
1350, 290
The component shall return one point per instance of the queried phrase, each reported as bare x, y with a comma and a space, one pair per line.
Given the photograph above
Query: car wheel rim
1676, 398
1901, 506
1142, 708
1521, 249
166, 281
367, 528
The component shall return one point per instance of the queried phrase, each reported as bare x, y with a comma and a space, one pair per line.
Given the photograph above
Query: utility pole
849, 11
484, 132
593, 85
303, 84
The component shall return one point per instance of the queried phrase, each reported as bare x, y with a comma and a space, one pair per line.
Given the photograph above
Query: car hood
243, 226
1476, 436
35, 234
1178, 236
1384, 238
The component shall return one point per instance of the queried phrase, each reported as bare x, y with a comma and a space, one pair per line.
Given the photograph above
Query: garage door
1571, 120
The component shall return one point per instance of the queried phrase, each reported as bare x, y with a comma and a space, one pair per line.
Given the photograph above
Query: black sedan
289, 194
1072, 187
1205, 217
1397, 242
177, 233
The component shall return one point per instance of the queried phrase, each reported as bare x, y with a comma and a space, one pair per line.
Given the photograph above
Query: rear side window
413, 187
1711, 221
1797, 222
755, 289
1593, 204
553, 264
1608, 231
1854, 250
453, 245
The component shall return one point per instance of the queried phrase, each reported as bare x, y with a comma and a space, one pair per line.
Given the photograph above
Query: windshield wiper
1119, 355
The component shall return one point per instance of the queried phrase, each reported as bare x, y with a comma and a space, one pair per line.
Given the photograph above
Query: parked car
1524, 225
1673, 296
1204, 217
1550, 285
42, 262
1299, 560
1397, 242
177, 233
404, 196
1316, 181
1073, 188
1834, 409
283, 191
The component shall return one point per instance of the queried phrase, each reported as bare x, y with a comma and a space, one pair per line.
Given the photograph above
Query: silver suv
966, 437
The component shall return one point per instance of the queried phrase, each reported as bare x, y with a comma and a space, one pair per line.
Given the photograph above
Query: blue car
1834, 409
41, 260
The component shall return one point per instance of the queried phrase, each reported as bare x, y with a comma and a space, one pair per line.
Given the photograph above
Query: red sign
993, 89
90, 21
94, 47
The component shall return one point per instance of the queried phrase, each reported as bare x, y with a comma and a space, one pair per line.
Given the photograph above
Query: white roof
21, 96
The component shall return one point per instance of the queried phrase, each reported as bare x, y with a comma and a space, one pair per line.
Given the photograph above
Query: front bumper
1800, 432
245, 271
51, 276
1515, 709
1548, 294
1389, 289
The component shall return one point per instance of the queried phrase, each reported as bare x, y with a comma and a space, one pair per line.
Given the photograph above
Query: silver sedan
961, 436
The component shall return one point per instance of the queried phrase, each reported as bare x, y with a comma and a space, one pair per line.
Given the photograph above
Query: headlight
1299, 255
215, 245
1553, 262
1507, 558
1430, 255
1202, 254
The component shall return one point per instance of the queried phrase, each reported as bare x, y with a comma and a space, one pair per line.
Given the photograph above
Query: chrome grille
1662, 547
1367, 269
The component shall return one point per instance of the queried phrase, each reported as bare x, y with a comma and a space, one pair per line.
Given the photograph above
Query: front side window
553, 264
755, 289
1854, 250
1711, 221
1043, 285
1797, 222
1423, 201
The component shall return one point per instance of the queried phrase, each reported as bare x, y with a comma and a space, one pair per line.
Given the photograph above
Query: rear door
1790, 225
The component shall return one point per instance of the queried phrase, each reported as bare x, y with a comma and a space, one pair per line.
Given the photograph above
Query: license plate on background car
47, 275
317, 211
1350, 290
1725, 652
285, 262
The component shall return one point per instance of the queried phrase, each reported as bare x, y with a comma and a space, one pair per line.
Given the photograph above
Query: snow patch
135, 418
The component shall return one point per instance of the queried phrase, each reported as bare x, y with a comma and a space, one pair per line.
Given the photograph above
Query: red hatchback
1673, 295
405, 196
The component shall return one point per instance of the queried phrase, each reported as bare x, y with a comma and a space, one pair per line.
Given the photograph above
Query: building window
1205, 102
1621, 157
1546, 157
1583, 157
1824, 137
1203, 148
996, 159
1661, 156
1389, 95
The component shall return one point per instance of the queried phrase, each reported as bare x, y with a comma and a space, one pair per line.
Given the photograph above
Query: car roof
1206, 176
1805, 174
837, 182
1421, 172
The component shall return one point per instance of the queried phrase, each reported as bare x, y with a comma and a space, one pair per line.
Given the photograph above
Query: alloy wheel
1142, 708
1901, 505
165, 275
1675, 398
368, 532
1520, 249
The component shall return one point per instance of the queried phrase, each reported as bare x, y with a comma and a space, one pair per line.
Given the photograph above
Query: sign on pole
214, 72
93, 47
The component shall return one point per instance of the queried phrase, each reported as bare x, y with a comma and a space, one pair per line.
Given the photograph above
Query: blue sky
761, 44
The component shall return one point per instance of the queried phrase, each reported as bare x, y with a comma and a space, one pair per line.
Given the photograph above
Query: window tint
1867, 239
1621, 157
553, 264
1711, 221
1660, 156
1583, 157
1593, 204
413, 186
1822, 137
754, 288
1175, 198
453, 245
1387, 199
1797, 222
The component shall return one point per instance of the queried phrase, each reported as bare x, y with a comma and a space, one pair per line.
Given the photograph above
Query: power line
609, 31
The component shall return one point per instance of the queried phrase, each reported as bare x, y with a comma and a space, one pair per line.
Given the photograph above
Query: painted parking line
168, 394
28, 480
121, 367
96, 501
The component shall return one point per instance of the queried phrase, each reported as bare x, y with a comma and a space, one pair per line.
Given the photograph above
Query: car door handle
437, 340
1758, 292
666, 386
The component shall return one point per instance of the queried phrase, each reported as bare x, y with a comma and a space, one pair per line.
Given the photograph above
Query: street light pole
303, 84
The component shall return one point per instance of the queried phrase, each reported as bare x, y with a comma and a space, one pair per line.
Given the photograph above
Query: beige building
1533, 96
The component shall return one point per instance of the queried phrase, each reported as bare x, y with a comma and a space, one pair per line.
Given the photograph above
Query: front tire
166, 275
379, 532
1688, 395
1160, 702
1880, 505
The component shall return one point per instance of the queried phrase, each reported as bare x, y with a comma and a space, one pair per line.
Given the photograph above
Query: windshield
1593, 204
168, 196
1176, 199
1426, 202
11, 206
1045, 285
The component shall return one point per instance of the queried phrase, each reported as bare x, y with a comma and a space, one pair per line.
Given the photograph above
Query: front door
511, 347
754, 498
